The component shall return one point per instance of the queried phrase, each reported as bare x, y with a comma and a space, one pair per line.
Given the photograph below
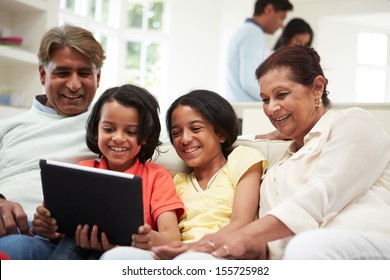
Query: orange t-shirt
158, 190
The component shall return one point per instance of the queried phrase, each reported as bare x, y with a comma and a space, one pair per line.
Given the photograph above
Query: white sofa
270, 149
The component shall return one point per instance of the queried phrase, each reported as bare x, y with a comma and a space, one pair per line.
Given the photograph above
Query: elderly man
70, 60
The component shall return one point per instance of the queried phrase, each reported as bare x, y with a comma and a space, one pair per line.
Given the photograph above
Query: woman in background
296, 32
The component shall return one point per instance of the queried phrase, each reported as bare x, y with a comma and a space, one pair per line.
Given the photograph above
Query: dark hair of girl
149, 126
215, 109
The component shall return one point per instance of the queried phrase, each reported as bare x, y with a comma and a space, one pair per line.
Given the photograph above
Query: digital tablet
79, 195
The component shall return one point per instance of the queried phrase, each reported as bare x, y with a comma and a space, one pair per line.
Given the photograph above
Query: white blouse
340, 178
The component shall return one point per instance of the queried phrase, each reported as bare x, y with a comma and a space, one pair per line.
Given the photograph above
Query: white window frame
370, 66
113, 71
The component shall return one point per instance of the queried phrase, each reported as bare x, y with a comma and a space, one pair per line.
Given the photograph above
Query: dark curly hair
149, 126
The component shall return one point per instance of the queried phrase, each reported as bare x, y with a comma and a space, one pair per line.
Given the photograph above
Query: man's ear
42, 74
269, 9
98, 78
319, 83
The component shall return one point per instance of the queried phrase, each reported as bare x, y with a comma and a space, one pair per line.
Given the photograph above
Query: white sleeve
354, 156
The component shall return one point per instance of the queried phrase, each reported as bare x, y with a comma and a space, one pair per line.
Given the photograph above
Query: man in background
247, 49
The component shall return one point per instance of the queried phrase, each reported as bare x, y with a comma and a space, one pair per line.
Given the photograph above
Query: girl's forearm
165, 237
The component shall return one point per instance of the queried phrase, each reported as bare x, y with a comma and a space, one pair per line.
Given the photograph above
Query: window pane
153, 58
103, 40
105, 10
372, 49
155, 12
132, 79
68, 5
370, 85
100, 10
133, 57
134, 15
93, 9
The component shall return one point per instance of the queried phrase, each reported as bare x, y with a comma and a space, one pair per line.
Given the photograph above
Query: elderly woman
331, 188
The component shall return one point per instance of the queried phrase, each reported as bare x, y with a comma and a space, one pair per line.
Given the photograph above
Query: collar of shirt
320, 129
254, 22
37, 104
322, 126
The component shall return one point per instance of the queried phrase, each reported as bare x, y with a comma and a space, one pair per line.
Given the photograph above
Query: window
144, 44
372, 73
133, 35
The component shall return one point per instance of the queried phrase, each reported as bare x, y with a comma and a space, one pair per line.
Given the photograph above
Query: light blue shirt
245, 53
43, 108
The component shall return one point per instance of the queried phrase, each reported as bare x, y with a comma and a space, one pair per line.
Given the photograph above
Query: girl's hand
168, 252
144, 238
92, 242
44, 224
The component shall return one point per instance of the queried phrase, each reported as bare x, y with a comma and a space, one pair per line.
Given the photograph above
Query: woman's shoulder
353, 122
355, 115
356, 111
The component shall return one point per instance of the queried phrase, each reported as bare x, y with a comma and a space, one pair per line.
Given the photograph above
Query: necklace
210, 182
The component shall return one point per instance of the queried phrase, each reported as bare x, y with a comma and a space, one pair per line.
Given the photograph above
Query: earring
317, 103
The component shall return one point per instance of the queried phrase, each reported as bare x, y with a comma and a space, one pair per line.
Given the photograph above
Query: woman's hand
92, 242
44, 224
168, 252
238, 245
206, 243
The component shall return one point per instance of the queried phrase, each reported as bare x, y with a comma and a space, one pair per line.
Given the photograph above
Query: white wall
198, 34
201, 29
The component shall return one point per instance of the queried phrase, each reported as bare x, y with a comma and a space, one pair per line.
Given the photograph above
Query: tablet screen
77, 194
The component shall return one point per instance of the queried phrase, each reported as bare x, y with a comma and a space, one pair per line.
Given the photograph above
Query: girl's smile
117, 137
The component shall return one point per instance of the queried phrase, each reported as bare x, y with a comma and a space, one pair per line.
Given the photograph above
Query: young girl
124, 130
221, 194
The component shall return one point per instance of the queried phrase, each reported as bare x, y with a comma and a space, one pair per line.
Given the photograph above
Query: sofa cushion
169, 159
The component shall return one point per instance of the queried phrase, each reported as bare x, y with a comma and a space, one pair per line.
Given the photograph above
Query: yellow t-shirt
207, 211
